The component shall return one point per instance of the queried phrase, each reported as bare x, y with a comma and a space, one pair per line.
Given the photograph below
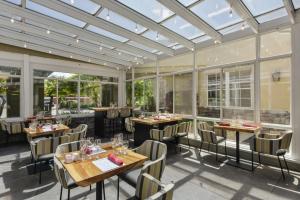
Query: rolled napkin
113, 158
250, 125
224, 123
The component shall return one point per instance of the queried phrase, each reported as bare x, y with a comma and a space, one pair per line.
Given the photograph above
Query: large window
144, 93
275, 91
65, 93
166, 94
183, 93
10, 92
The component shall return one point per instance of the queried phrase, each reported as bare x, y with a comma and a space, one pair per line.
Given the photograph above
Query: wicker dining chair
275, 145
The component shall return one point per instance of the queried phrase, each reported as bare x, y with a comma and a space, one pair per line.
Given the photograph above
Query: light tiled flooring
195, 178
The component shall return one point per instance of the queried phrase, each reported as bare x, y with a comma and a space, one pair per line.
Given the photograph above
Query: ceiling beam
56, 24
51, 44
40, 48
67, 40
288, 4
189, 16
101, 23
138, 18
244, 13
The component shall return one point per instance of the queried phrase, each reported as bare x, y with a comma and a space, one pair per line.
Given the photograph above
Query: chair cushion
131, 176
183, 134
71, 184
281, 152
220, 139
167, 139
46, 156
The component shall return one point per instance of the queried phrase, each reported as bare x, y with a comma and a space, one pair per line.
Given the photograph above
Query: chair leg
208, 147
118, 193
286, 165
252, 161
281, 168
103, 190
68, 194
226, 149
201, 143
259, 160
61, 189
40, 170
188, 140
217, 152
35, 166
90, 187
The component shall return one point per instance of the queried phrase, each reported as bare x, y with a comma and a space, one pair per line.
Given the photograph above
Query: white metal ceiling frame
289, 6
67, 40
189, 16
51, 44
138, 18
32, 46
56, 24
101, 23
244, 13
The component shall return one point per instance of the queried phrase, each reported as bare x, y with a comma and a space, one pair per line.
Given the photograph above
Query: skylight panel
217, 13
201, 39
158, 38
234, 28
17, 2
121, 21
258, 7
296, 4
182, 27
187, 2
106, 33
272, 15
178, 46
138, 45
54, 14
150, 8
86, 5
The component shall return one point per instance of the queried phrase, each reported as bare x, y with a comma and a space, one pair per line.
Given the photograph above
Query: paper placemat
104, 164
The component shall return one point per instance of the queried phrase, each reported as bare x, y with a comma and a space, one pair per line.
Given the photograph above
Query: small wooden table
85, 173
237, 130
143, 126
40, 132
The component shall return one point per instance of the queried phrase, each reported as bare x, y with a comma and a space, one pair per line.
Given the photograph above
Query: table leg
237, 148
99, 190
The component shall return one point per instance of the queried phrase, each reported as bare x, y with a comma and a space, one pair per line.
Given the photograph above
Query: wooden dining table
237, 129
39, 132
85, 173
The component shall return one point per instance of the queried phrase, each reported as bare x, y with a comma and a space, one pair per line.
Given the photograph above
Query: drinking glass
125, 146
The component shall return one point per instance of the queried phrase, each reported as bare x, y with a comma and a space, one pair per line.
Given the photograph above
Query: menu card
104, 164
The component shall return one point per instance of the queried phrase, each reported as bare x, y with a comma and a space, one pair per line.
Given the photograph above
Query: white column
121, 88
132, 88
27, 104
194, 91
256, 92
295, 82
157, 86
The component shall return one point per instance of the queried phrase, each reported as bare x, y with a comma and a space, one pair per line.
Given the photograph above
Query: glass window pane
109, 95
158, 38
144, 94
258, 7
129, 74
271, 16
44, 96
234, 28
18, 2
275, 91
148, 69
129, 93
275, 43
166, 94
208, 101
67, 97
106, 33
231, 52
143, 47
52, 13
182, 27
296, 4
87, 5
150, 8
6, 71
187, 2
121, 21
237, 101
9, 96
183, 93
90, 96
201, 39
177, 63
217, 13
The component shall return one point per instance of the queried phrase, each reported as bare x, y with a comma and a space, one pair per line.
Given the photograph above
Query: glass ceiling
216, 13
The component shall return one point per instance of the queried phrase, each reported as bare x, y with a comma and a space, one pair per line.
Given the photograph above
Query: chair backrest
170, 131
2, 103
129, 125
183, 127
207, 136
15, 127
286, 139
112, 113
125, 112
150, 188
78, 133
46, 146
67, 147
67, 120
203, 126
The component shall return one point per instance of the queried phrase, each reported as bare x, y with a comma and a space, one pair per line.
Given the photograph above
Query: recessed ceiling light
100, 48
48, 31
50, 51
25, 45
89, 60
12, 20
77, 40
104, 63
230, 12
136, 27
72, 1
107, 16
71, 56
243, 27
119, 53
156, 36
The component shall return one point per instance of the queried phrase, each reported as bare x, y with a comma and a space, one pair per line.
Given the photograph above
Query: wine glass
125, 146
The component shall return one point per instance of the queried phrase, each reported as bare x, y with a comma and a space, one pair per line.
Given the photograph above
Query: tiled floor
195, 178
